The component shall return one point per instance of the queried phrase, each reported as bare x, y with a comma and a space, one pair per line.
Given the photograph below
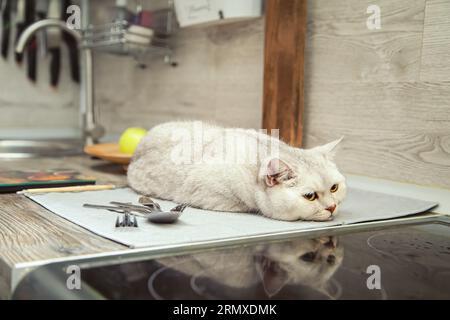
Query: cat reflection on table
306, 262
300, 269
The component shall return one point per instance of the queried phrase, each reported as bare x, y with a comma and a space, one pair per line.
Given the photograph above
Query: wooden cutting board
109, 152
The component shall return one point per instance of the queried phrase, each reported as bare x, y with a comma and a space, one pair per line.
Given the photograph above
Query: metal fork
126, 221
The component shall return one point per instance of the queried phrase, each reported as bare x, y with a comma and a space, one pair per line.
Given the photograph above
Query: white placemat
204, 225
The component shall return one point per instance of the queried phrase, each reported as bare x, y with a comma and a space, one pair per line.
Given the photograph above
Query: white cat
240, 170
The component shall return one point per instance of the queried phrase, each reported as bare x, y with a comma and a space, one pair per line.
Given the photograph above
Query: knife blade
32, 48
6, 27
54, 41
41, 13
20, 26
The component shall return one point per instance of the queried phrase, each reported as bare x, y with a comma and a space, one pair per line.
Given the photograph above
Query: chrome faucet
92, 131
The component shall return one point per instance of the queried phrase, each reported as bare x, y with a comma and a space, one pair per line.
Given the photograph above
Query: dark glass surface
414, 263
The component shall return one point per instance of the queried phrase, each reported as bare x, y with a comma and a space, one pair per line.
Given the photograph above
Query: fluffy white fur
275, 187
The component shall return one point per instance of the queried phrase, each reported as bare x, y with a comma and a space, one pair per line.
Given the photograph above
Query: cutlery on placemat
167, 217
134, 211
151, 210
148, 202
156, 214
126, 221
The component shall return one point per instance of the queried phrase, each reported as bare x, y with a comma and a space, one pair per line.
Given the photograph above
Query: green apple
130, 139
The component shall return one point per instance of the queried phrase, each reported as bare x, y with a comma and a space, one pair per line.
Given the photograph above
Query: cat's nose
331, 208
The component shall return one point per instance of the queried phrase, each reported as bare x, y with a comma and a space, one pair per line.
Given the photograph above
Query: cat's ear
329, 149
276, 171
272, 276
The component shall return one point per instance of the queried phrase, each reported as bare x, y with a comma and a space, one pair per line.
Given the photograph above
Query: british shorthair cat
238, 170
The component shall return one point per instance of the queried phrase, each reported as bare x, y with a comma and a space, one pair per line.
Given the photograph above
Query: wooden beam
283, 98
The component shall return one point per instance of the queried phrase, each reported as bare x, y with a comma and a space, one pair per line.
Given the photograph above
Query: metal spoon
167, 216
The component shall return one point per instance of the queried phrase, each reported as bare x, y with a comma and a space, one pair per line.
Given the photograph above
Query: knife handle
32, 60
6, 28
70, 189
31, 50
72, 45
55, 65
73, 56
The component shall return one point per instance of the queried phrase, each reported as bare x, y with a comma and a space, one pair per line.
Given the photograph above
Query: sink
17, 149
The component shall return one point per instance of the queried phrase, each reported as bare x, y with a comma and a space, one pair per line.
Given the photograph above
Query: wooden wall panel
382, 107
436, 42
340, 47
367, 85
285, 37
398, 131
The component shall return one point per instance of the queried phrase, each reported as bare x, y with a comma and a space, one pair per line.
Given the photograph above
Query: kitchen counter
29, 233
413, 259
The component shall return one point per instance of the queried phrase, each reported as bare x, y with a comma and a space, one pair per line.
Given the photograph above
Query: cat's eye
331, 259
334, 188
308, 257
310, 196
